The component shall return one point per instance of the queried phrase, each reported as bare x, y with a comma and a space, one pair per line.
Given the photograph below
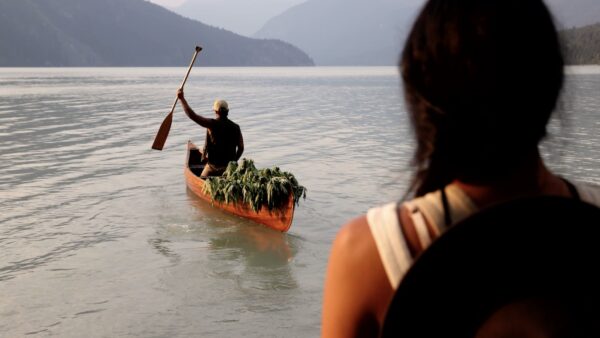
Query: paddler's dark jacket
222, 139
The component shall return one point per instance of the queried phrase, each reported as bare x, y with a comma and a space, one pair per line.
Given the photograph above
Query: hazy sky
175, 3
241, 16
168, 3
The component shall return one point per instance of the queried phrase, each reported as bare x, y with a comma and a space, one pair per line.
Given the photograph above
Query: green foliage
582, 45
244, 183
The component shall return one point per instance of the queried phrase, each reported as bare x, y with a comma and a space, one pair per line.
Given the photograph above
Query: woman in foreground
481, 79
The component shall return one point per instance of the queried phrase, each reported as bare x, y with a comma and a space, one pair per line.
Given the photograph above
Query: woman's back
481, 79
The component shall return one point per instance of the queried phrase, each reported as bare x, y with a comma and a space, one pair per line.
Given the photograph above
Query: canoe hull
279, 220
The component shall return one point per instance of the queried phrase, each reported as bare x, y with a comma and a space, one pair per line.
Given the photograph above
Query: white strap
421, 228
391, 244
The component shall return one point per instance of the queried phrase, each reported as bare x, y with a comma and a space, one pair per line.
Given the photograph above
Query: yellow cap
220, 104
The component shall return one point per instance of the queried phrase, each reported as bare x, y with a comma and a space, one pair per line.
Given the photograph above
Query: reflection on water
161, 246
253, 255
264, 253
252, 238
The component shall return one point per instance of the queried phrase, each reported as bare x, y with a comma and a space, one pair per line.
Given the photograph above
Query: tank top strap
390, 242
446, 205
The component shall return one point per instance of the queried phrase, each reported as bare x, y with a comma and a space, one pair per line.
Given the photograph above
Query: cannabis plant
244, 183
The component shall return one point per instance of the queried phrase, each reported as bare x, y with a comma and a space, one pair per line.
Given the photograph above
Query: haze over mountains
139, 33
372, 32
346, 32
244, 17
124, 33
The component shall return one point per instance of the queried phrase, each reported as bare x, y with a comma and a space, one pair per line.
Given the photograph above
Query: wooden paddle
165, 127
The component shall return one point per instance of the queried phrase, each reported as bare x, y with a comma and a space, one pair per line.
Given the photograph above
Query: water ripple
95, 227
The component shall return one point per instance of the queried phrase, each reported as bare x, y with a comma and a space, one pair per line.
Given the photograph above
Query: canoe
279, 220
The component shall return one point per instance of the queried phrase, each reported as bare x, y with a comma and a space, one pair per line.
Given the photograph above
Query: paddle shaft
165, 127
198, 49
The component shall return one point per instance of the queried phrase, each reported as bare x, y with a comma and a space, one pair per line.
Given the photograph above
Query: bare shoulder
357, 291
353, 251
355, 235
354, 248
358, 254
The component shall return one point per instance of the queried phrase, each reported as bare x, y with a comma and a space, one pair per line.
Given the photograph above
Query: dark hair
481, 79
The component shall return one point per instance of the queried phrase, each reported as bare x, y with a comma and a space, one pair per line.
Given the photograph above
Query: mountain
346, 32
371, 32
124, 33
582, 45
575, 13
241, 16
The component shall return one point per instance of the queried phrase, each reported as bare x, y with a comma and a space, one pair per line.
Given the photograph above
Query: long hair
481, 79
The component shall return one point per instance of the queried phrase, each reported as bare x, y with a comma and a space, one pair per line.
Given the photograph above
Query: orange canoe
280, 220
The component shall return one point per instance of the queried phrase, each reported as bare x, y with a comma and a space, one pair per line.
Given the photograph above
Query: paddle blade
163, 133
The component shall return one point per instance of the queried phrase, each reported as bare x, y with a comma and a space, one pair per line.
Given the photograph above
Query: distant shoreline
582, 69
594, 68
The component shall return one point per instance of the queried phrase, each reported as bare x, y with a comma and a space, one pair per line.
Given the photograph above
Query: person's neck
533, 179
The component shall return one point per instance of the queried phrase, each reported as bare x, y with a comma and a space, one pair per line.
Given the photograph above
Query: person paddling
224, 141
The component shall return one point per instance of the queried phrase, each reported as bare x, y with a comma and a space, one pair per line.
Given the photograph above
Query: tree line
582, 45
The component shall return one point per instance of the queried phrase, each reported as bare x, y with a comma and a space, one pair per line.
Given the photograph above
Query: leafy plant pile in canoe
255, 187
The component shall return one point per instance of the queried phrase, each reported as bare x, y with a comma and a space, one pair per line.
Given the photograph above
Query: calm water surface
99, 236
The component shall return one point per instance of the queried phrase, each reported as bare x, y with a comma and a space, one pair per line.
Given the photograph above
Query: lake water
99, 236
